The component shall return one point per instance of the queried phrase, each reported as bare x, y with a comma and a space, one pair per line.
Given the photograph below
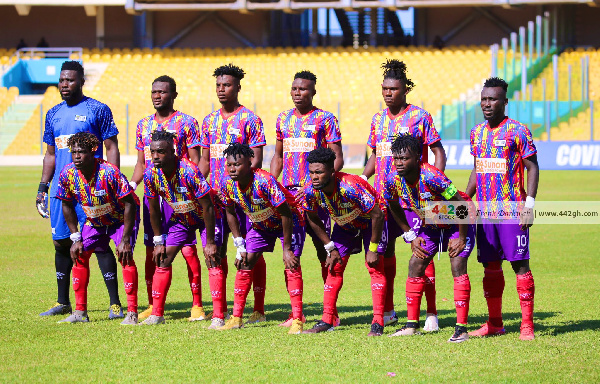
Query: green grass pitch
564, 262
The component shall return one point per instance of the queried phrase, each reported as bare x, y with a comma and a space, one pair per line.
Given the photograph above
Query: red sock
160, 288
215, 282
415, 286
190, 254
462, 296
295, 285
526, 290
259, 283
493, 287
378, 290
430, 289
225, 269
81, 278
149, 269
130, 281
331, 291
243, 281
390, 276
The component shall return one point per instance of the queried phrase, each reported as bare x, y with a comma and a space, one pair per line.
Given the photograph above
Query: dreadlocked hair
238, 150
72, 66
231, 70
167, 79
321, 155
396, 69
493, 82
306, 75
164, 136
407, 142
85, 140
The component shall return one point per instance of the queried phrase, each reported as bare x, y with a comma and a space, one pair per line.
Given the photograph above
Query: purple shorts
179, 235
264, 241
351, 242
97, 239
499, 241
434, 238
167, 212
323, 214
394, 230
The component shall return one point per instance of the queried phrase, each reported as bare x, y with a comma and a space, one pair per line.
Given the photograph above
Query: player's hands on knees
526, 218
211, 250
124, 252
214, 260
300, 196
42, 204
372, 259
159, 254
241, 261
417, 248
76, 251
290, 260
332, 259
456, 246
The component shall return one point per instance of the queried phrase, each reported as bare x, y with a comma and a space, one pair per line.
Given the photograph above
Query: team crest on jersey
80, 118
182, 189
499, 143
310, 127
100, 192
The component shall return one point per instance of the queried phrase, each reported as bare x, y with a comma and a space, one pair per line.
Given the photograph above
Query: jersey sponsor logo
499, 143
347, 218
296, 145
262, 215
490, 165
61, 141
425, 195
100, 192
384, 149
404, 130
182, 206
309, 127
182, 189
233, 131
216, 150
346, 205
101, 210
80, 118
259, 201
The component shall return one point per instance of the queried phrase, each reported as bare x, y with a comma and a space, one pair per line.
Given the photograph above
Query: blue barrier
33, 76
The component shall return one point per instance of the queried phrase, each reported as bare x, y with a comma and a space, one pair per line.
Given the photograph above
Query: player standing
398, 118
77, 113
418, 184
232, 123
112, 212
354, 206
187, 146
502, 147
299, 131
274, 214
181, 185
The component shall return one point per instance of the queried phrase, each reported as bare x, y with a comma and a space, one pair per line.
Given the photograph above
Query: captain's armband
449, 192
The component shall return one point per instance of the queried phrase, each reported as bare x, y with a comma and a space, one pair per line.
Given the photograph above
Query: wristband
330, 246
75, 237
409, 236
238, 256
373, 247
239, 242
529, 202
133, 185
158, 240
364, 177
43, 188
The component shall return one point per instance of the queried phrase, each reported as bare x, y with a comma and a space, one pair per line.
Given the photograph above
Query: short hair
407, 142
321, 155
237, 150
396, 69
493, 82
231, 70
85, 140
167, 79
164, 136
306, 75
72, 66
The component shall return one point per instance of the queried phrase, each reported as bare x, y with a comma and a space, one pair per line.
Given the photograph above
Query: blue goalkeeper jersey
63, 121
